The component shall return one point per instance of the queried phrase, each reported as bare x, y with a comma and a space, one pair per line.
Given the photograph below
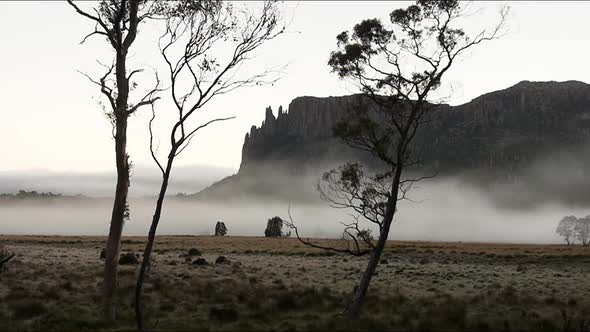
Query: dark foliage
128, 259
220, 229
274, 228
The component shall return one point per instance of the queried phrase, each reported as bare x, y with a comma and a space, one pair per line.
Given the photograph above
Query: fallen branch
5, 260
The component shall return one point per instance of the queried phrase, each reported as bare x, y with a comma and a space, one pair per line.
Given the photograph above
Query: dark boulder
222, 260
201, 262
128, 259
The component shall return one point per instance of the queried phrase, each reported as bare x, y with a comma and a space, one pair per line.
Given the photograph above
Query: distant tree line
574, 229
23, 194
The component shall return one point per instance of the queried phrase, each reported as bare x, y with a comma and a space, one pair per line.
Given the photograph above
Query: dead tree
117, 22
206, 45
397, 68
567, 229
582, 230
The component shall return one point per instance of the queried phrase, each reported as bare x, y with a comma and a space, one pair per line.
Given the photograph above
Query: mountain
530, 138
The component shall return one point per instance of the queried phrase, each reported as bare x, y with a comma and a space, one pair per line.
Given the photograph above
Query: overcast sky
50, 119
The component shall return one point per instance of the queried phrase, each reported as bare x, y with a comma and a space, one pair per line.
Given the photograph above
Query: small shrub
222, 260
194, 252
128, 259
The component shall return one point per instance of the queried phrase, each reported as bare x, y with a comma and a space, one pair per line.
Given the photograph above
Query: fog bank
144, 181
448, 210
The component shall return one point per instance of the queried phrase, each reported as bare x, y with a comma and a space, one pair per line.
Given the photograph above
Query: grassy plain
54, 284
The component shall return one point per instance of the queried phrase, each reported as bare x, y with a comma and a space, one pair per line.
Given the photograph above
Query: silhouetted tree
566, 229
274, 227
117, 21
205, 44
220, 229
397, 67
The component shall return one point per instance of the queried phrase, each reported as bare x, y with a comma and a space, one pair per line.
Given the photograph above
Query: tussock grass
276, 284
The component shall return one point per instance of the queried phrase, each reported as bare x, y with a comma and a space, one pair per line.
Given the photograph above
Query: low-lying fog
145, 181
449, 210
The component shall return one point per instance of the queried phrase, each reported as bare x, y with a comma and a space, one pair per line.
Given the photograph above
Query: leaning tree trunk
117, 220
354, 309
150, 243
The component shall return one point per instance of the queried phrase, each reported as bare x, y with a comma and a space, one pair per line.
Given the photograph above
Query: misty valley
380, 198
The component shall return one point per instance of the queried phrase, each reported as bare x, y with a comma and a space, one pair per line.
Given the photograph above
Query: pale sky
50, 119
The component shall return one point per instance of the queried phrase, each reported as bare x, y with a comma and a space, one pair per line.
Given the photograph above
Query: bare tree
567, 229
397, 68
204, 48
117, 22
582, 230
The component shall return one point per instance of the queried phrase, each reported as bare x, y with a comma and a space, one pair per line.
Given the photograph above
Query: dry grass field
278, 284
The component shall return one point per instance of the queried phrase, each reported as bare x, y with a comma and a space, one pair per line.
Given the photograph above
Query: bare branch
307, 242
186, 141
105, 30
104, 89
153, 150
6, 259
95, 32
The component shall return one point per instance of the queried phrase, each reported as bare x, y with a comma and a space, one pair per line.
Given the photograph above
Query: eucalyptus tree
117, 22
205, 46
397, 67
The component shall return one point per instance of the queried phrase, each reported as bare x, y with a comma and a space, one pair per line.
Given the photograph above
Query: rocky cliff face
301, 137
510, 126
497, 136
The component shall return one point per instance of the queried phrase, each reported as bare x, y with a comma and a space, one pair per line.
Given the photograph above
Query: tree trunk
117, 220
150, 243
120, 203
354, 309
